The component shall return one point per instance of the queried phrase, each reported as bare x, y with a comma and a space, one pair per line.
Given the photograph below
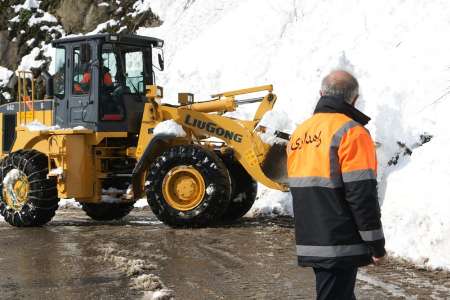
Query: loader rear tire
107, 211
244, 190
188, 186
28, 198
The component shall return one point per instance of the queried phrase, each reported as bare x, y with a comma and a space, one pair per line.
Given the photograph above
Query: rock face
20, 33
87, 17
8, 51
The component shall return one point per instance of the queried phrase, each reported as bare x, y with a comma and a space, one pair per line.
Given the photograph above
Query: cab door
81, 108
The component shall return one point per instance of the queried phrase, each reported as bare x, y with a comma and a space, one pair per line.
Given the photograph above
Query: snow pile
56, 172
29, 61
5, 74
138, 271
11, 178
141, 203
68, 204
417, 206
38, 126
399, 52
271, 203
169, 127
275, 121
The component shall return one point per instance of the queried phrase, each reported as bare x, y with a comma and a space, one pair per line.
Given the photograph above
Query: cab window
81, 82
109, 68
134, 71
60, 71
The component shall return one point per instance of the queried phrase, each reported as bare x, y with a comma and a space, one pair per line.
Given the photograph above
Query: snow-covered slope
399, 51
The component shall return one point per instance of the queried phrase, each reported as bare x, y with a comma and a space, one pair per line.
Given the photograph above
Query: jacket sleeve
357, 158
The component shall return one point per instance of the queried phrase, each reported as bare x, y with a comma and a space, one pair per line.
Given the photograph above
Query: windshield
127, 67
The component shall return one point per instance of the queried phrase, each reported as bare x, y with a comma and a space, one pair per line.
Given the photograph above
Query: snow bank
399, 52
169, 127
417, 206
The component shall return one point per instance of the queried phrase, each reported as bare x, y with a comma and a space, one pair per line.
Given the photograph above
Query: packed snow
68, 204
28, 5
275, 121
169, 127
38, 126
29, 61
11, 178
141, 203
56, 172
398, 51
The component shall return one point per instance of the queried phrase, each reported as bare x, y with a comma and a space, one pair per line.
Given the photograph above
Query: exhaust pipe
49, 93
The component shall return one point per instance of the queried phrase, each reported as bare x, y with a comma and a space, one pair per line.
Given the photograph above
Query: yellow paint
81, 153
15, 194
249, 150
183, 188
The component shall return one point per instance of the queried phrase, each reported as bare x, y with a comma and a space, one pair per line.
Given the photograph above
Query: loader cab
100, 80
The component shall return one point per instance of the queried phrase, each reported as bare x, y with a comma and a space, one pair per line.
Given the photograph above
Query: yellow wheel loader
99, 137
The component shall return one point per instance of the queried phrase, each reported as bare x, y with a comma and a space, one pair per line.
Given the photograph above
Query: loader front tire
188, 186
244, 190
28, 198
107, 211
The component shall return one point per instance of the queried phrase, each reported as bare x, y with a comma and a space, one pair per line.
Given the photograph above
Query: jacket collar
329, 104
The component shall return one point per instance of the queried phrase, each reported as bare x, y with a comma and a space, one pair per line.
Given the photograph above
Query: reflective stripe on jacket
332, 169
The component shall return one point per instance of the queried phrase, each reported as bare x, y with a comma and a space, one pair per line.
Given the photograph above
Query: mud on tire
107, 211
244, 190
216, 181
42, 196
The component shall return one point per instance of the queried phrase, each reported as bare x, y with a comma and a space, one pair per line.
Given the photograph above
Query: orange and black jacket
332, 169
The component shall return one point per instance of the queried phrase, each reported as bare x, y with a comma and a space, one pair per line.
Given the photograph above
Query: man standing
332, 169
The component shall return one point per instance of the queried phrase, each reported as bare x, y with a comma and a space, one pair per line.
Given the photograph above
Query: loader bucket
274, 165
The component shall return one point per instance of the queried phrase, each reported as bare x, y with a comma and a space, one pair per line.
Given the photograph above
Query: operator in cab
85, 83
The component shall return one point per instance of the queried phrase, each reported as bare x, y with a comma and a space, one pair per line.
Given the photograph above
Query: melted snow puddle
393, 289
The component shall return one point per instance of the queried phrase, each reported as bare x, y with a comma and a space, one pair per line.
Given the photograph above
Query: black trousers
335, 284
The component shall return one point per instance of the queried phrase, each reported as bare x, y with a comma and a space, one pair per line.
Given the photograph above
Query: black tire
107, 211
244, 190
214, 174
42, 197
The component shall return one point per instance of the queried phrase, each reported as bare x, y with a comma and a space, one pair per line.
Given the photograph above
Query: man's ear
354, 100
321, 94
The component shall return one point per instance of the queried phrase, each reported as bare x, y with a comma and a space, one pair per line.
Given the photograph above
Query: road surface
140, 258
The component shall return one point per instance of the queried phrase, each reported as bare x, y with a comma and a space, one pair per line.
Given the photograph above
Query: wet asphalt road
75, 258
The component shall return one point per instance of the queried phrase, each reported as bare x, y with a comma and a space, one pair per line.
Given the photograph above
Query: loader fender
156, 146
